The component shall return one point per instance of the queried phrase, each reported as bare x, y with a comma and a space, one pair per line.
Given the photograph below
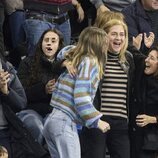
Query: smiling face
116, 36
151, 63
50, 44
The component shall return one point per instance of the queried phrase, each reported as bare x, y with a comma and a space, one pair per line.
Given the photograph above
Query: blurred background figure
141, 18
45, 14
3, 152
14, 34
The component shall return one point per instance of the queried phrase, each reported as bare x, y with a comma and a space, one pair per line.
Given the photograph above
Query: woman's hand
103, 126
143, 120
4, 79
148, 41
137, 41
70, 68
50, 86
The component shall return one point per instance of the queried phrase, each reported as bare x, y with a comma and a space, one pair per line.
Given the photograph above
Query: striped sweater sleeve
84, 92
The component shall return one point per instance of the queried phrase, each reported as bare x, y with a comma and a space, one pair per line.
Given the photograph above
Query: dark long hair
156, 49
35, 65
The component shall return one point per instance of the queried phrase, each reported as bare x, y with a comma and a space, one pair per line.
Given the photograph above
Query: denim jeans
34, 123
1, 18
34, 29
61, 136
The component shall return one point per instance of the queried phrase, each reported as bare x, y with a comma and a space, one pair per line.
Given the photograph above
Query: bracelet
78, 5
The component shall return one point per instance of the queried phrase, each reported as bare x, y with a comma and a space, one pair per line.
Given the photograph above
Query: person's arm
12, 92
84, 92
100, 6
79, 9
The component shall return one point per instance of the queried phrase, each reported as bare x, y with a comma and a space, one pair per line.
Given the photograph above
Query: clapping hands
4, 79
148, 41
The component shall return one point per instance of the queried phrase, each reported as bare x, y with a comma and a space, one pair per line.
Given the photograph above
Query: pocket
56, 126
151, 139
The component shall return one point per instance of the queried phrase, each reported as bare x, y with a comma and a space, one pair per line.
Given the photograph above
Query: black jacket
145, 91
37, 98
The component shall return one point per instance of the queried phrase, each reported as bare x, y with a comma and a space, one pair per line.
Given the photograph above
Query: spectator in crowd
141, 18
38, 75
113, 97
3, 152
73, 97
14, 19
12, 98
13, 134
144, 110
45, 14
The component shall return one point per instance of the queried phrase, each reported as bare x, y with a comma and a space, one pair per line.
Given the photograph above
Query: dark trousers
5, 140
94, 143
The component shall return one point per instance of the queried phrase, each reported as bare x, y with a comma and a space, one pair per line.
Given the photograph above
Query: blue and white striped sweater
75, 95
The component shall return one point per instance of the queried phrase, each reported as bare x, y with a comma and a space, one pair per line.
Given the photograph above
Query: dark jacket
16, 99
37, 98
137, 21
22, 143
1, 43
145, 90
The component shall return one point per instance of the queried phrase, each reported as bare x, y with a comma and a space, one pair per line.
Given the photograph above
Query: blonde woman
113, 97
73, 97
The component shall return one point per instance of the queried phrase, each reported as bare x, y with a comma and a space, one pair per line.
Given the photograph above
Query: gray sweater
114, 5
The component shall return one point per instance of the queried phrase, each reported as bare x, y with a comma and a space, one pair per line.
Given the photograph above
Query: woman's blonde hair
107, 28
93, 42
106, 16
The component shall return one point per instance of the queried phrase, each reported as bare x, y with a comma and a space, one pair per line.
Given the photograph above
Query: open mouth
117, 44
147, 66
48, 49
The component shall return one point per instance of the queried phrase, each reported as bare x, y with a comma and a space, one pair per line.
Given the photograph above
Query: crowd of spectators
34, 33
